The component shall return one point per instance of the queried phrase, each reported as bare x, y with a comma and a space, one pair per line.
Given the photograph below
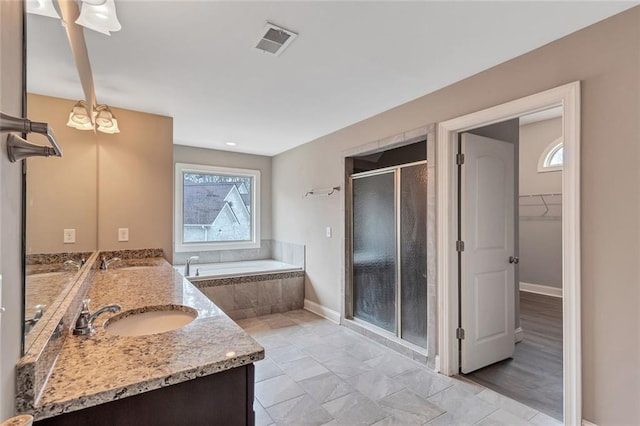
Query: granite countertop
91, 370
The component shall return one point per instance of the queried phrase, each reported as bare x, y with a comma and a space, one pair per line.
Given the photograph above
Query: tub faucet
84, 323
104, 265
187, 267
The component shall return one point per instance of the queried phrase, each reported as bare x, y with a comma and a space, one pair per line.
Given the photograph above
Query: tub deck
246, 268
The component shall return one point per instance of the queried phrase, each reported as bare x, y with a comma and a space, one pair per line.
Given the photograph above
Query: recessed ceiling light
230, 143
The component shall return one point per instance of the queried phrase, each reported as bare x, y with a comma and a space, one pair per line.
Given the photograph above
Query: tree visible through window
216, 206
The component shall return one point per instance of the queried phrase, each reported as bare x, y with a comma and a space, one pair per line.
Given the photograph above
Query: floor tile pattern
318, 373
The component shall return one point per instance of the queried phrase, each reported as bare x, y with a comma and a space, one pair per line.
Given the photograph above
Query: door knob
514, 260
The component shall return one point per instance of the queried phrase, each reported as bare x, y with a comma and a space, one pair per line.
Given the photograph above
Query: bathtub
243, 268
250, 288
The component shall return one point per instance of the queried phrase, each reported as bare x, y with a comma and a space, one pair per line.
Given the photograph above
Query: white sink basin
150, 320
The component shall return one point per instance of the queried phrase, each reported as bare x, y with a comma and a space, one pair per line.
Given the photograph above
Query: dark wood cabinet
225, 398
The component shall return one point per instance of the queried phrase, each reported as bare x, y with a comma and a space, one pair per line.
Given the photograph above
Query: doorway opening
530, 368
567, 98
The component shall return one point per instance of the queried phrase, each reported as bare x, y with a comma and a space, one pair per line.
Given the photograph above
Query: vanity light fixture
104, 120
99, 15
42, 7
96, 15
79, 117
230, 143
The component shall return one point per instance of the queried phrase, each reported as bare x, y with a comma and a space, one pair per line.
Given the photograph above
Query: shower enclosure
389, 250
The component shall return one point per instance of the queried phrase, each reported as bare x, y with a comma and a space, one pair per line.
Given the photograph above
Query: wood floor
534, 375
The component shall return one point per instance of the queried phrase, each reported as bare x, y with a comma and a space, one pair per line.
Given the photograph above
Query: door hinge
460, 159
459, 333
459, 246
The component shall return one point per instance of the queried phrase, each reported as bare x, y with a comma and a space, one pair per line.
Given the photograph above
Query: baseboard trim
320, 310
588, 423
541, 289
519, 334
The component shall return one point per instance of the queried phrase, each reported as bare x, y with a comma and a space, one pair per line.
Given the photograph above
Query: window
551, 159
216, 208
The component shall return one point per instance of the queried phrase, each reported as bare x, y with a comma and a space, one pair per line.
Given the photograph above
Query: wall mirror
60, 193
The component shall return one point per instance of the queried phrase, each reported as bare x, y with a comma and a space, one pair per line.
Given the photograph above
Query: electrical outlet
69, 236
123, 234
328, 232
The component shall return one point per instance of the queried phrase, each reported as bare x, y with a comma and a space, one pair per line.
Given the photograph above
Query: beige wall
211, 157
61, 192
540, 245
135, 183
102, 183
606, 58
11, 86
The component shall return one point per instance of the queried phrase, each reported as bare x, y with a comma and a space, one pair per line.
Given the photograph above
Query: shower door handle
515, 260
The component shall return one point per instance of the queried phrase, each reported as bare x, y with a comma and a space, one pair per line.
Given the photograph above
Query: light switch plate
123, 234
328, 232
69, 236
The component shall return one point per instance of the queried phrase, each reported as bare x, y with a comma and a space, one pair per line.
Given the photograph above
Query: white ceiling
195, 61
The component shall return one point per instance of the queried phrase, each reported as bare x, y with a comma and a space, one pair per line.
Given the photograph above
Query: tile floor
316, 373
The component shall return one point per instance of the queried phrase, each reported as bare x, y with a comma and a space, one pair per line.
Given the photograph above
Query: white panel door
488, 278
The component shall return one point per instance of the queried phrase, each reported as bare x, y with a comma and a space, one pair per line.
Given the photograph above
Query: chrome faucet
84, 323
77, 264
187, 267
31, 322
104, 265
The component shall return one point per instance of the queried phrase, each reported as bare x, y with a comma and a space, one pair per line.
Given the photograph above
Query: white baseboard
318, 309
541, 289
519, 334
588, 423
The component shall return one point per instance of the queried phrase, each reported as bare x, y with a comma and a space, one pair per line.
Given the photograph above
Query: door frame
568, 97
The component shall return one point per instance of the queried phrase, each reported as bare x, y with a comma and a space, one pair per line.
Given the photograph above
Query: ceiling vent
275, 39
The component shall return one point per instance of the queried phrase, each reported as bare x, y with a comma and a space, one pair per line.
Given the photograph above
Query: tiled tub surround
251, 285
100, 368
254, 295
200, 271
269, 249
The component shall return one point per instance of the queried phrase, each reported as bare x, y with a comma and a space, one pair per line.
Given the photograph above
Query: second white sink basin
150, 320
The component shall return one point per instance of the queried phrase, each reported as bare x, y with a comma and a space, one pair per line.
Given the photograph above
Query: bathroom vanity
200, 373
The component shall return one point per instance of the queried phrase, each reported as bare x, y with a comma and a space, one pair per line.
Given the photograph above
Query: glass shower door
413, 254
374, 250
389, 277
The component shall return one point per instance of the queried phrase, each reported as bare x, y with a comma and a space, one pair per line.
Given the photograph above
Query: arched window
551, 159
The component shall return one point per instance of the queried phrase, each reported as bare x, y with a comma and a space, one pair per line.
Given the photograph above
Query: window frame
547, 154
178, 225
